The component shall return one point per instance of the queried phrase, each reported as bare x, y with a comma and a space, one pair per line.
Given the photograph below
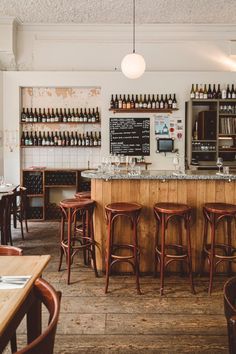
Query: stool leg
187, 224
162, 260
68, 245
155, 245
91, 235
202, 262
62, 227
181, 243
212, 252
108, 255
230, 245
136, 261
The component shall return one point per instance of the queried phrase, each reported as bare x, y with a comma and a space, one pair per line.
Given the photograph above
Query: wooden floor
122, 321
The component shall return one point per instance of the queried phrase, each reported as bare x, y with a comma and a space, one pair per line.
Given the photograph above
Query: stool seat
172, 208
83, 195
220, 208
123, 207
76, 203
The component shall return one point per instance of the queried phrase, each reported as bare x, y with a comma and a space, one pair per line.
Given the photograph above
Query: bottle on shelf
228, 92
149, 102
124, 105
112, 102
31, 115
44, 116
116, 103
52, 116
161, 106
68, 116
97, 115
157, 102
170, 102
205, 92
201, 92
132, 102
166, 105
35, 119
233, 93
153, 102
23, 115
128, 104
140, 102
174, 102
197, 92
136, 103
192, 92
144, 105
223, 93
48, 119
120, 102
85, 116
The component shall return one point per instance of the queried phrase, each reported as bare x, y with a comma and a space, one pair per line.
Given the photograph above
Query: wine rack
60, 178
40, 182
33, 181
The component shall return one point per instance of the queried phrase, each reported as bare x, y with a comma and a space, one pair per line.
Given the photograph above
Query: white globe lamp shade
133, 66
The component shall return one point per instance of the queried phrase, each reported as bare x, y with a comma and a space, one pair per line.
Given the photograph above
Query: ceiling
120, 11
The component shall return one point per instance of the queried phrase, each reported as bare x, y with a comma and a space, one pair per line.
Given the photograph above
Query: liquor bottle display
59, 115
212, 91
143, 101
63, 139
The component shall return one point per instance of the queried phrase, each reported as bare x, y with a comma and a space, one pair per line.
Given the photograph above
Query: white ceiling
120, 11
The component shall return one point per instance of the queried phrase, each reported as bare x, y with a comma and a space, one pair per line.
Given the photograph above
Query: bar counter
193, 188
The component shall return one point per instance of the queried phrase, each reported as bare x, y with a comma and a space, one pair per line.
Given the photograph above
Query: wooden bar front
147, 192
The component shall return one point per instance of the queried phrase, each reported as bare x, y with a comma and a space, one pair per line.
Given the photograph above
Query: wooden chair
44, 342
11, 251
19, 209
230, 312
5, 218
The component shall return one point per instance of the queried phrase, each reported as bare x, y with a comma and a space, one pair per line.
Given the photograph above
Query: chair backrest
230, 312
10, 251
5, 216
51, 299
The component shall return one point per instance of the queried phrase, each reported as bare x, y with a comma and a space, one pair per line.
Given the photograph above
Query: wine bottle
228, 92
140, 102
223, 93
170, 102
35, 139
23, 139
116, 103
48, 116
214, 94
44, 116
23, 116
200, 92
196, 92
39, 139
112, 103
136, 103
192, 92
218, 92
161, 103
157, 102
81, 116
205, 92
132, 102
27, 115
97, 115
153, 102
120, 102
144, 102
65, 116
35, 119
85, 115
99, 139
57, 116
31, 115
149, 102
233, 93
128, 105
166, 102
174, 102
124, 105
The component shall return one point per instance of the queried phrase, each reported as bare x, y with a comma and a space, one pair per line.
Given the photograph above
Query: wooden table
15, 303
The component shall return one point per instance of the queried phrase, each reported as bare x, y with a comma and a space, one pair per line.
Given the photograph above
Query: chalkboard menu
130, 136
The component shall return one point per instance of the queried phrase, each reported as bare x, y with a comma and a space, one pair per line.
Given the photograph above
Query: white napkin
13, 282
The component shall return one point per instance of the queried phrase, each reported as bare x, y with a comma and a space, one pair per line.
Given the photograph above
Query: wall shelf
142, 110
51, 123
56, 146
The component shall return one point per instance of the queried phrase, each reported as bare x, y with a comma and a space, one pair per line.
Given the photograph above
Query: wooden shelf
56, 146
35, 195
142, 110
228, 150
60, 185
227, 115
222, 135
60, 123
204, 151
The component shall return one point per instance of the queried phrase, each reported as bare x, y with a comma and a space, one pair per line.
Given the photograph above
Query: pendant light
133, 65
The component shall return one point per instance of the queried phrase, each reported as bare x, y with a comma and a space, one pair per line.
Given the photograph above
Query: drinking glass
132, 163
176, 163
219, 163
117, 162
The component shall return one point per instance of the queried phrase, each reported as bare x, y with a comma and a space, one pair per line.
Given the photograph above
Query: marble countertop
159, 175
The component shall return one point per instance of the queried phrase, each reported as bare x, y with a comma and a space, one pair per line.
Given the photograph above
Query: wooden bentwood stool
113, 212
164, 212
76, 240
213, 214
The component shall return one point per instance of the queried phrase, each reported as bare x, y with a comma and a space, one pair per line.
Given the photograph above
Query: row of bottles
228, 108
60, 115
60, 138
143, 101
212, 91
203, 146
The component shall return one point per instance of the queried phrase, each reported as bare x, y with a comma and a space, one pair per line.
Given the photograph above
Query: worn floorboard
122, 321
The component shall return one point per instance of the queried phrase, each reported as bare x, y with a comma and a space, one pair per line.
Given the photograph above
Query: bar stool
72, 241
164, 212
214, 213
83, 195
113, 212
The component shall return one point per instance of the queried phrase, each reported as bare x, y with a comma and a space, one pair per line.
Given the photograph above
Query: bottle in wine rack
205, 92
35, 140
214, 93
99, 139
73, 115
83, 140
149, 102
144, 102
120, 102
85, 116
140, 103
219, 92
59, 140
228, 92
128, 105
23, 139
132, 102
81, 116
157, 102
65, 116
136, 102
69, 116
79, 140
35, 116
233, 93
31, 115
153, 102
162, 103
166, 102
39, 139
223, 93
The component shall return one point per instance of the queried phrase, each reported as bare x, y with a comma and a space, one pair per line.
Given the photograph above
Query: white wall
179, 82
1, 123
